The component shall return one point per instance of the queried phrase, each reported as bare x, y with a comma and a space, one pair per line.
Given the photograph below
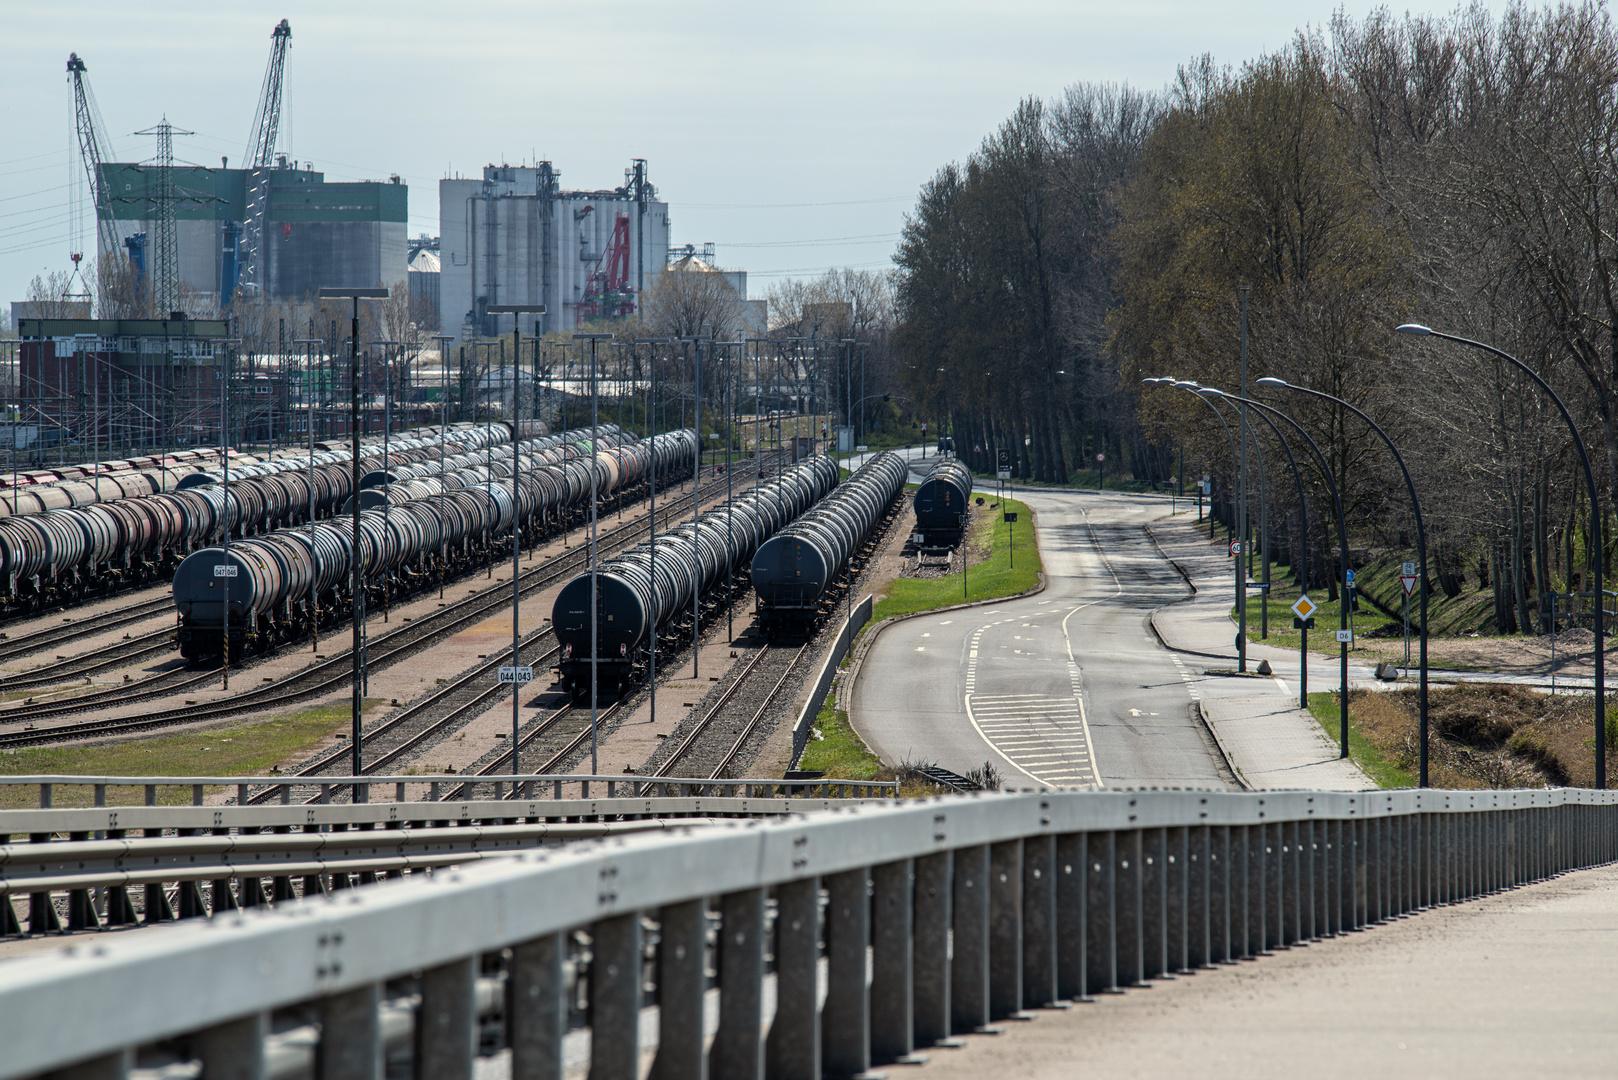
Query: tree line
1459, 171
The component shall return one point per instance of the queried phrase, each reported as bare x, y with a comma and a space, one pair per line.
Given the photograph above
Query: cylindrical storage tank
199, 590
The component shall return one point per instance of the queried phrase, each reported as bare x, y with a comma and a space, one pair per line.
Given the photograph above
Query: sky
793, 136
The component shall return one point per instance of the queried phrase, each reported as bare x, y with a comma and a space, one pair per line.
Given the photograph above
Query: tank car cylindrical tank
942, 503
793, 568
632, 600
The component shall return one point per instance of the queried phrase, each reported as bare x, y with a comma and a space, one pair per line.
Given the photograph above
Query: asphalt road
1066, 687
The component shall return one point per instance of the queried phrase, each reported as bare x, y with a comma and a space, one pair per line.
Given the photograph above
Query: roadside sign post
1407, 578
1011, 543
1348, 606
1303, 617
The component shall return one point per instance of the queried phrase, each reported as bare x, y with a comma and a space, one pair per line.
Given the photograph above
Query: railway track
128, 651
74, 629
439, 713
556, 738
335, 672
716, 740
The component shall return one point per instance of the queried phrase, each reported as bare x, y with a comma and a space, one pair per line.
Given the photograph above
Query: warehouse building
318, 233
516, 237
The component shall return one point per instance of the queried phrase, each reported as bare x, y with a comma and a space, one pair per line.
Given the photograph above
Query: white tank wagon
793, 569
404, 546
633, 602
66, 552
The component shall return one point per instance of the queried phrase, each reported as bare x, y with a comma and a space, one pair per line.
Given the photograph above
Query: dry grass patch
1486, 735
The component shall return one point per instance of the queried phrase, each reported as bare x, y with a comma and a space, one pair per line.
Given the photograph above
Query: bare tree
692, 302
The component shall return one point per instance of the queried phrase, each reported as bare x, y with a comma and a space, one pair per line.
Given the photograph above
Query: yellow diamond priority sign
1305, 607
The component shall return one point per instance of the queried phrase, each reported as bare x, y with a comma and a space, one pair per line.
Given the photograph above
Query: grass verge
1010, 566
245, 749
1480, 735
835, 749
1385, 770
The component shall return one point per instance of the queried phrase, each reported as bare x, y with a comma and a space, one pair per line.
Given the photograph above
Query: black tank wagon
942, 503
292, 578
793, 568
631, 603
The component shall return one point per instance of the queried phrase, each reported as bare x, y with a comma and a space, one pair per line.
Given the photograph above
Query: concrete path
1506, 986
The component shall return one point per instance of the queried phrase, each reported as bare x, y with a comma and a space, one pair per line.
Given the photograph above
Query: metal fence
828, 672
922, 920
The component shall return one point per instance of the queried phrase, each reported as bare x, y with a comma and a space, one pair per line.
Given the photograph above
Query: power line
792, 206
868, 238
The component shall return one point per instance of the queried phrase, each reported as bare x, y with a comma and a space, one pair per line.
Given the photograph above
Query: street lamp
1303, 547
595, 596
357, 584
1241, 608
1421, 545
516, 310
651, 547
1595, 543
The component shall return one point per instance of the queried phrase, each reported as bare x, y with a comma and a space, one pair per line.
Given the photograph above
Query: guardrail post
969, 970
1005, 929
1072, 857
738, 1046
447, 1022
1178, 908
1221, 920
893, 1019
792, 1051
845, 1026
681, 981
1039, 962
1101, 941
1273, 848
350, 1035
930, 959
1154, 951
1364, 869
1258, 890
1319, 881
1199, 897
536, 1008
234, 1050
1128, 912
1290, 894
614, 998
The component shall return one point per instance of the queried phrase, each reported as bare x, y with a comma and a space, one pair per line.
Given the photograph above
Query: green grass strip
1324, 708
991, 579
245, 749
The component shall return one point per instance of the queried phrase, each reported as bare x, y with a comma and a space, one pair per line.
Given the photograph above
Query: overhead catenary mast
261, 157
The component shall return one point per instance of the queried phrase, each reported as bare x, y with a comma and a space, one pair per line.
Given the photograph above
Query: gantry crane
261, 158
94, 151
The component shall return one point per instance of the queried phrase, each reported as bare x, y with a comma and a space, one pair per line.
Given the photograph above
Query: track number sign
224, 570
509, 674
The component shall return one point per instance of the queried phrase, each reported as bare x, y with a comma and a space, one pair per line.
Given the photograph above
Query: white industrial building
515, 237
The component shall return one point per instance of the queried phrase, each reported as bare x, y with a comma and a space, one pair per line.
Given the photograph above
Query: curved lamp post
1240, 568
1303, 528
1263, 511
1421, 547
1595, 547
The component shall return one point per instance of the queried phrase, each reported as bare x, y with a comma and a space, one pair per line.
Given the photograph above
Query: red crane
606, 288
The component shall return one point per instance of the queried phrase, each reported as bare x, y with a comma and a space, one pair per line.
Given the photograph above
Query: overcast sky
794, 136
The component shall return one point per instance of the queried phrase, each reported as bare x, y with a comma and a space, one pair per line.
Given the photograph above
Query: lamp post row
1265, 411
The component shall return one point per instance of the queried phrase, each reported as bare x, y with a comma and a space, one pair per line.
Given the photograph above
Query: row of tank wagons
281, 583
616, 456
942, 504
653, 585
794, 568
170, 472
62, 555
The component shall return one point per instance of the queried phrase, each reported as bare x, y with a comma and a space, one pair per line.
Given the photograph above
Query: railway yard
109, 670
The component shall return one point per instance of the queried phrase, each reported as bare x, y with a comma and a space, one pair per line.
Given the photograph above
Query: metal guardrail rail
528, 786
937, 917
